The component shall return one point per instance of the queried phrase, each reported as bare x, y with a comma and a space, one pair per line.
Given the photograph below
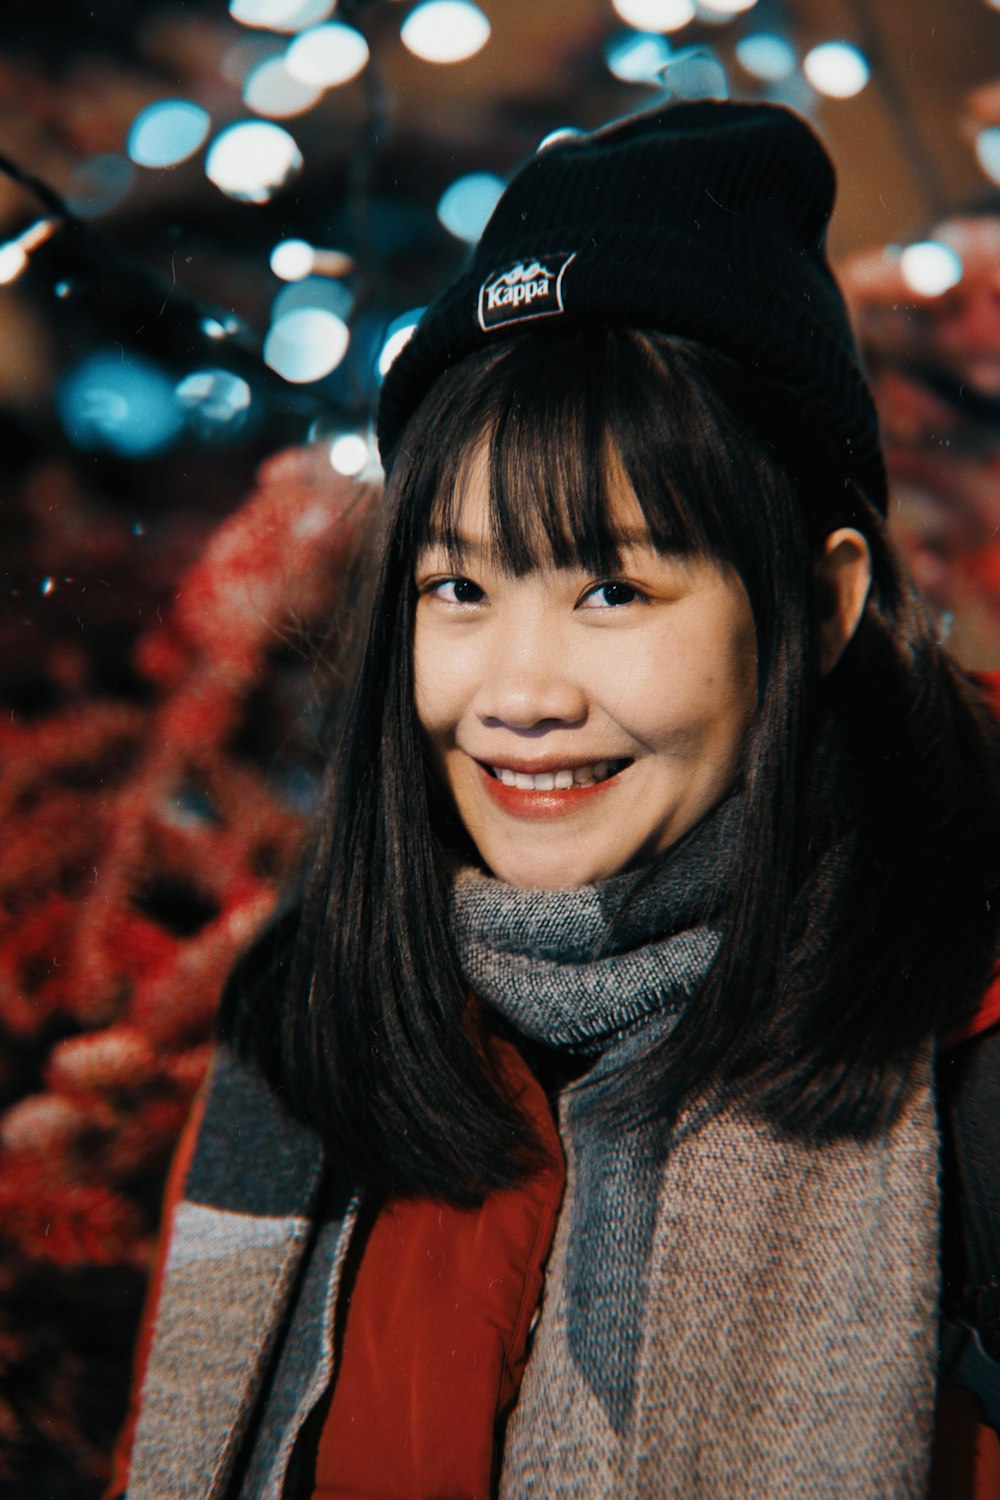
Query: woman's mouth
552, 793
562, 780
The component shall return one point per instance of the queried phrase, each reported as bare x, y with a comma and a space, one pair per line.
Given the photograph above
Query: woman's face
582, 723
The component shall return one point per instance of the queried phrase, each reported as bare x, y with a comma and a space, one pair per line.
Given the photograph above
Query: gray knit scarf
727, 1312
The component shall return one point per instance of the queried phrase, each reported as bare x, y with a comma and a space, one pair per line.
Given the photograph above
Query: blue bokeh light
313, 291
988, 151
120, 402
466, 205
215, 402
98, 185
167, 133
637, 56
306, 344
766, 55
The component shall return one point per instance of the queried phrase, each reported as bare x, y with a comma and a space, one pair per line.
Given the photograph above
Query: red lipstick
537, 806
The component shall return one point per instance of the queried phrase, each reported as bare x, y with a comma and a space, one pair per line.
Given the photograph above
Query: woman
586, 1143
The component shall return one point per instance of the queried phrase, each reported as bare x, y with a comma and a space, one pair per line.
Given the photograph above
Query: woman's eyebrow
456, 542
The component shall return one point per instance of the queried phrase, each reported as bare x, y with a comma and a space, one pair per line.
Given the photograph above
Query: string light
466, 205
837, 69
252, 160
655, 15
445, 31
326, 56
930, 268
167, 133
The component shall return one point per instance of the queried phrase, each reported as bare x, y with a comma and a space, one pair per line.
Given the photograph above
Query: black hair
860, 915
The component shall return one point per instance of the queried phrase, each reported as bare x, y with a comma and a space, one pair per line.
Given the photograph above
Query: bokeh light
838, 69
281, 15
244, 55
655, 15
695, 73
215, 402
313, 291
271, 90
306, 344
13, 260
121, 403
766, 55
930, 268
445, 31
167, 133
98, 185
292, 259
397, 336
988, 152
638, 57
350, 454
723, 10
466, 205
325, 56
252, 160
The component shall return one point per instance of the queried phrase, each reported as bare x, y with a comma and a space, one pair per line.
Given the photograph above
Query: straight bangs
625, 405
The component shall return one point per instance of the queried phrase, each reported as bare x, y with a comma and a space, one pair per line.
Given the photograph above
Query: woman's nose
529, 682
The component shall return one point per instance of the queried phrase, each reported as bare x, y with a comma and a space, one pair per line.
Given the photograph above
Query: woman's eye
457, 591
608, 595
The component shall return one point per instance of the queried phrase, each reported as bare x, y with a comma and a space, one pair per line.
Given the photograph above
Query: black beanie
705, 219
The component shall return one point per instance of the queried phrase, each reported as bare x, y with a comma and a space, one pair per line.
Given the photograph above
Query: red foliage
934, 363
144, 848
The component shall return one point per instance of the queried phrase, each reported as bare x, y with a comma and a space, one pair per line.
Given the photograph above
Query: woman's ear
843, 575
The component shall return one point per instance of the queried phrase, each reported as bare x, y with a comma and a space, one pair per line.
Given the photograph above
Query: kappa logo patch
528, 289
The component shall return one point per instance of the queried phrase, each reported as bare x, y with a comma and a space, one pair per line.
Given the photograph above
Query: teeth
562, 781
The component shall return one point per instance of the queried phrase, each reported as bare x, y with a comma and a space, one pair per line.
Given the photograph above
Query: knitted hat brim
776, 336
